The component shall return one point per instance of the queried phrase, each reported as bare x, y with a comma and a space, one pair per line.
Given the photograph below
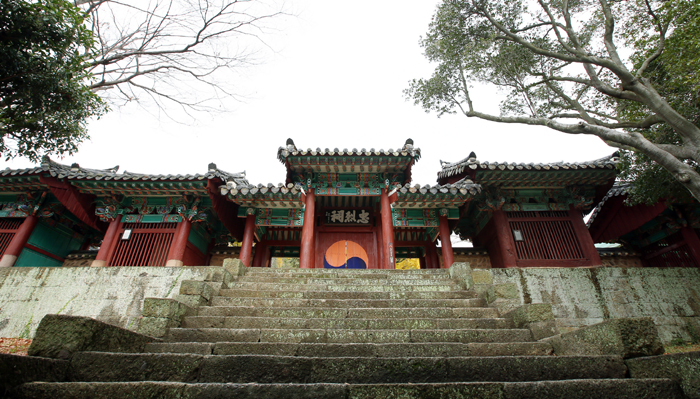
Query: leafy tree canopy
44, 99
675, 75
625, 71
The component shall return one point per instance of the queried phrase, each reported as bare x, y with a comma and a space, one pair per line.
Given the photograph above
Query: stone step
348, 303
345, 335
101, 366
343, 323
331, 312
239, 293
436, 349
349, 273
352, 276
343, 288
432, 280
570, 389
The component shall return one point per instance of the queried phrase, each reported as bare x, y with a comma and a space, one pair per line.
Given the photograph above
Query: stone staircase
348, 313
348, 334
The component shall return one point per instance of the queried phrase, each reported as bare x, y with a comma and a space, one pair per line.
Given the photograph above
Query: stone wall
111, 294
582, 296
475, 261
80, 259
621, 261
77, 262
218, 254
482, 261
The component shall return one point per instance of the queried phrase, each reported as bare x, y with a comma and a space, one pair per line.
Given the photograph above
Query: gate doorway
345, 254
346, 251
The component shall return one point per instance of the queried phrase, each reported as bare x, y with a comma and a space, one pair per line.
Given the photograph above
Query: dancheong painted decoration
338, 208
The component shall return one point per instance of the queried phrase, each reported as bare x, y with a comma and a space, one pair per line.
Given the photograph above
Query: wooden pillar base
504, 236
179, 244
8, 260
174, 263
108, 242
14, 249
584, 238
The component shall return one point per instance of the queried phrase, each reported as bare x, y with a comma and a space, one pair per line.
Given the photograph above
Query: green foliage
675, 76
44, 99
606, 68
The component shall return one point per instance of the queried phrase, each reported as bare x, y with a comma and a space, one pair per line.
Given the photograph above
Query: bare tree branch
163, 47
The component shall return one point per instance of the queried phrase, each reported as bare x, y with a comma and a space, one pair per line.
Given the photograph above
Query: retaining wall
110, 294
671, 297
579, 297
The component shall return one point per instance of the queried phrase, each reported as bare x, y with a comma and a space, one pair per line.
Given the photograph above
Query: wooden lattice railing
148, 245
8, 228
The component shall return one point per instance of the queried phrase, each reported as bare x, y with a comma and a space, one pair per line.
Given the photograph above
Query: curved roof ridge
619, 188
450, 169
75, 171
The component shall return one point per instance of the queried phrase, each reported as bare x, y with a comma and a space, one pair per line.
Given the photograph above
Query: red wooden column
430, 255
691, 239
247, 245
261, 255
584, 237
387, 231
267, 259
447, 255
177, 248
421, 260
380, 248
18, 241
108, 242
505, 239
307, 257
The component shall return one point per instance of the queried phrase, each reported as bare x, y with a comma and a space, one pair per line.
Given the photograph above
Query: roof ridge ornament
290, 145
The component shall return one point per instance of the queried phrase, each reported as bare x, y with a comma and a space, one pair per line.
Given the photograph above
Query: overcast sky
335, 79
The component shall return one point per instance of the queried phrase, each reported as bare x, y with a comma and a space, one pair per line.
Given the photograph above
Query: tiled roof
446, 195
470, 251
613, 252
270, 195
89, 254
234, 188
464, 186
291, 150
290, 194
471, 162
76, 172
619, 188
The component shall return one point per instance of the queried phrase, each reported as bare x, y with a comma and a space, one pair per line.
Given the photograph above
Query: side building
665, 234
531, 215
134, 219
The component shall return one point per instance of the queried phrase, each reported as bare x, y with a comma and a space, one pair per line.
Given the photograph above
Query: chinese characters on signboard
347, 216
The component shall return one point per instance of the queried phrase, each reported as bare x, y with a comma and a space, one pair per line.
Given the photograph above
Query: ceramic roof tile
455, 168
619, 188
290, 149
76, 172
462, 186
